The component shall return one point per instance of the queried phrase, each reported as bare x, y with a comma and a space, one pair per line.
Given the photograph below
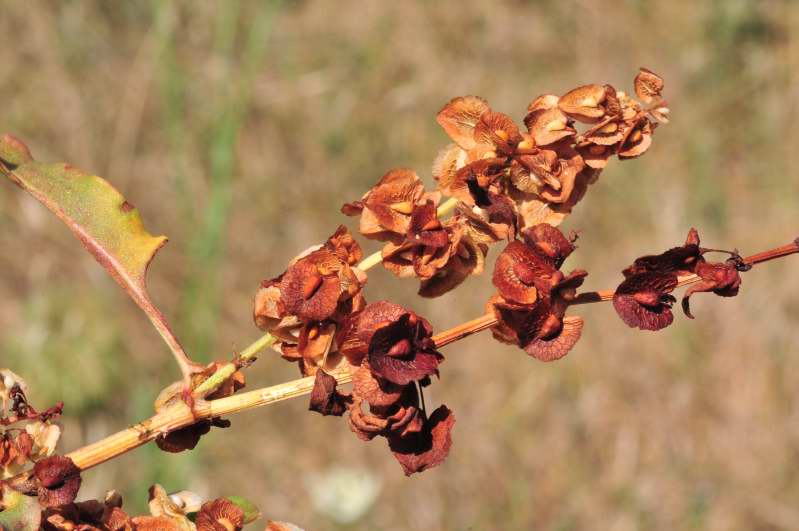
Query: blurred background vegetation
238, 129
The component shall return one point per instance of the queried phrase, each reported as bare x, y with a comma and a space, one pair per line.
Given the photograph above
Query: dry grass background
239, 128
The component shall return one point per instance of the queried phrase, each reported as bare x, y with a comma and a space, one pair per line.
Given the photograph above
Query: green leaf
19, 512
109, 227
251, 512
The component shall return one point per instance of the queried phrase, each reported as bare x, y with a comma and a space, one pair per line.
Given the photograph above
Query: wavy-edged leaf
109, 227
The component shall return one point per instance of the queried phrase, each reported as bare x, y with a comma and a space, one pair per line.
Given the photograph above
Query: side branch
180, 415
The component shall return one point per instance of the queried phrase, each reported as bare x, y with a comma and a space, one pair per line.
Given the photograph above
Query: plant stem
180, 415
226, 371
589, 297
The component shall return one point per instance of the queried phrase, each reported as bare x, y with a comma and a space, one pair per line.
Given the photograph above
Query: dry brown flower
541, 329
303, 307
549, 242
59, 480
524, 268
497, 133
465, 257
534, 294
386, 209
356, 334
402, 351
429, 447
396, 419
644, 301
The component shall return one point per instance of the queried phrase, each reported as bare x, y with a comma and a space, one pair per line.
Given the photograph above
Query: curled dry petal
399, 258
488, 224
643, 300
534, 210
677, 260
446, 165
325, 398
529, 173
308, 293
548, 241
466, 258
376, 391
354, 337
425, 227
543, 102
557, 345
15, 451
393, 198
540, 329
722, 279
459, 118
497, 132
344, 246
365, 426
584, 103
518, 270
115, 519
548, 126
268, 310
8, 381
417, 452
637, 139
385, 209
608, 133
315, 343
59, 480
474, 181
188, 437
648, 86
595, 155
220, 515
570, 168
402, 351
